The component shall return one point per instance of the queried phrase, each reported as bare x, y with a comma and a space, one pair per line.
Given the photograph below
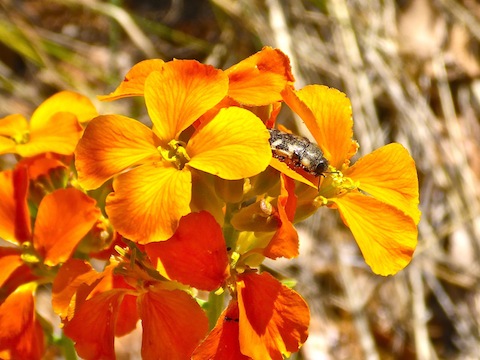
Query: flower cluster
169, 222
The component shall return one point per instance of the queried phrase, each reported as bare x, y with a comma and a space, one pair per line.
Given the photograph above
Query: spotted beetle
297, 151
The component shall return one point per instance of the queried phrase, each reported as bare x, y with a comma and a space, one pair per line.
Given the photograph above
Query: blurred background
411, 70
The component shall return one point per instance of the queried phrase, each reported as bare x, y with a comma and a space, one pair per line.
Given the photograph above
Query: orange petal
64, 218
180, 93
173, 324
63, 101
389, 175
385, 235
285, 241
14, 215
75, 281
10, 260
259, 79
71, 275
14, 271
273, 318
23, 227
222, 342
149, 200
327, 113
233, 145
195, 255
42, 166
127, 321
110, 145
133, 84
7, 207
93, 326
21, 332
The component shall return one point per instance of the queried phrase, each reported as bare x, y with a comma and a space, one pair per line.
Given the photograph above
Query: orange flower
255, 81
96, 307
273, 319
268, 321
21, 334
63, 218
153, 169
54, 126
377, 197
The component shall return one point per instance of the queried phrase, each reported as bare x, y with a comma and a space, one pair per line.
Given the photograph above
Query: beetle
297, 151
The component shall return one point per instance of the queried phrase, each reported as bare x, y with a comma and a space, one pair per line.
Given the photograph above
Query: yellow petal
59, 134
233, 145
385, 235
111, 144
260, 79
180, 93
292, 174
13, 125
133, 84
327, 113
7, 145
389, 175
149, 201
64, 101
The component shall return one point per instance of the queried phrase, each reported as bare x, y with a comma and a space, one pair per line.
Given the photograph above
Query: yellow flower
153, 168
377, 197
54, 126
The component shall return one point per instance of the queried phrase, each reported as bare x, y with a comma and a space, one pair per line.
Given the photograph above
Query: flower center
21, 137
335, 185
175, 153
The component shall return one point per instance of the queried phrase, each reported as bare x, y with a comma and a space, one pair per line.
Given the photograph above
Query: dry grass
411, 70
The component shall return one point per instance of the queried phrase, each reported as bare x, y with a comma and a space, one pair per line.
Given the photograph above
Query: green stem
215, 307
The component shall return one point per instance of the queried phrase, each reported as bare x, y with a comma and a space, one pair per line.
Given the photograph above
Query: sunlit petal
234, 145
385, 235
149, 200
133, 84
327, 113
64, 218
111, 144
13, 125
292, 174
389, 175
180, 93
59, 135
63, 101
7, 145
273, 318
260, 78
173, 324
195, 255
